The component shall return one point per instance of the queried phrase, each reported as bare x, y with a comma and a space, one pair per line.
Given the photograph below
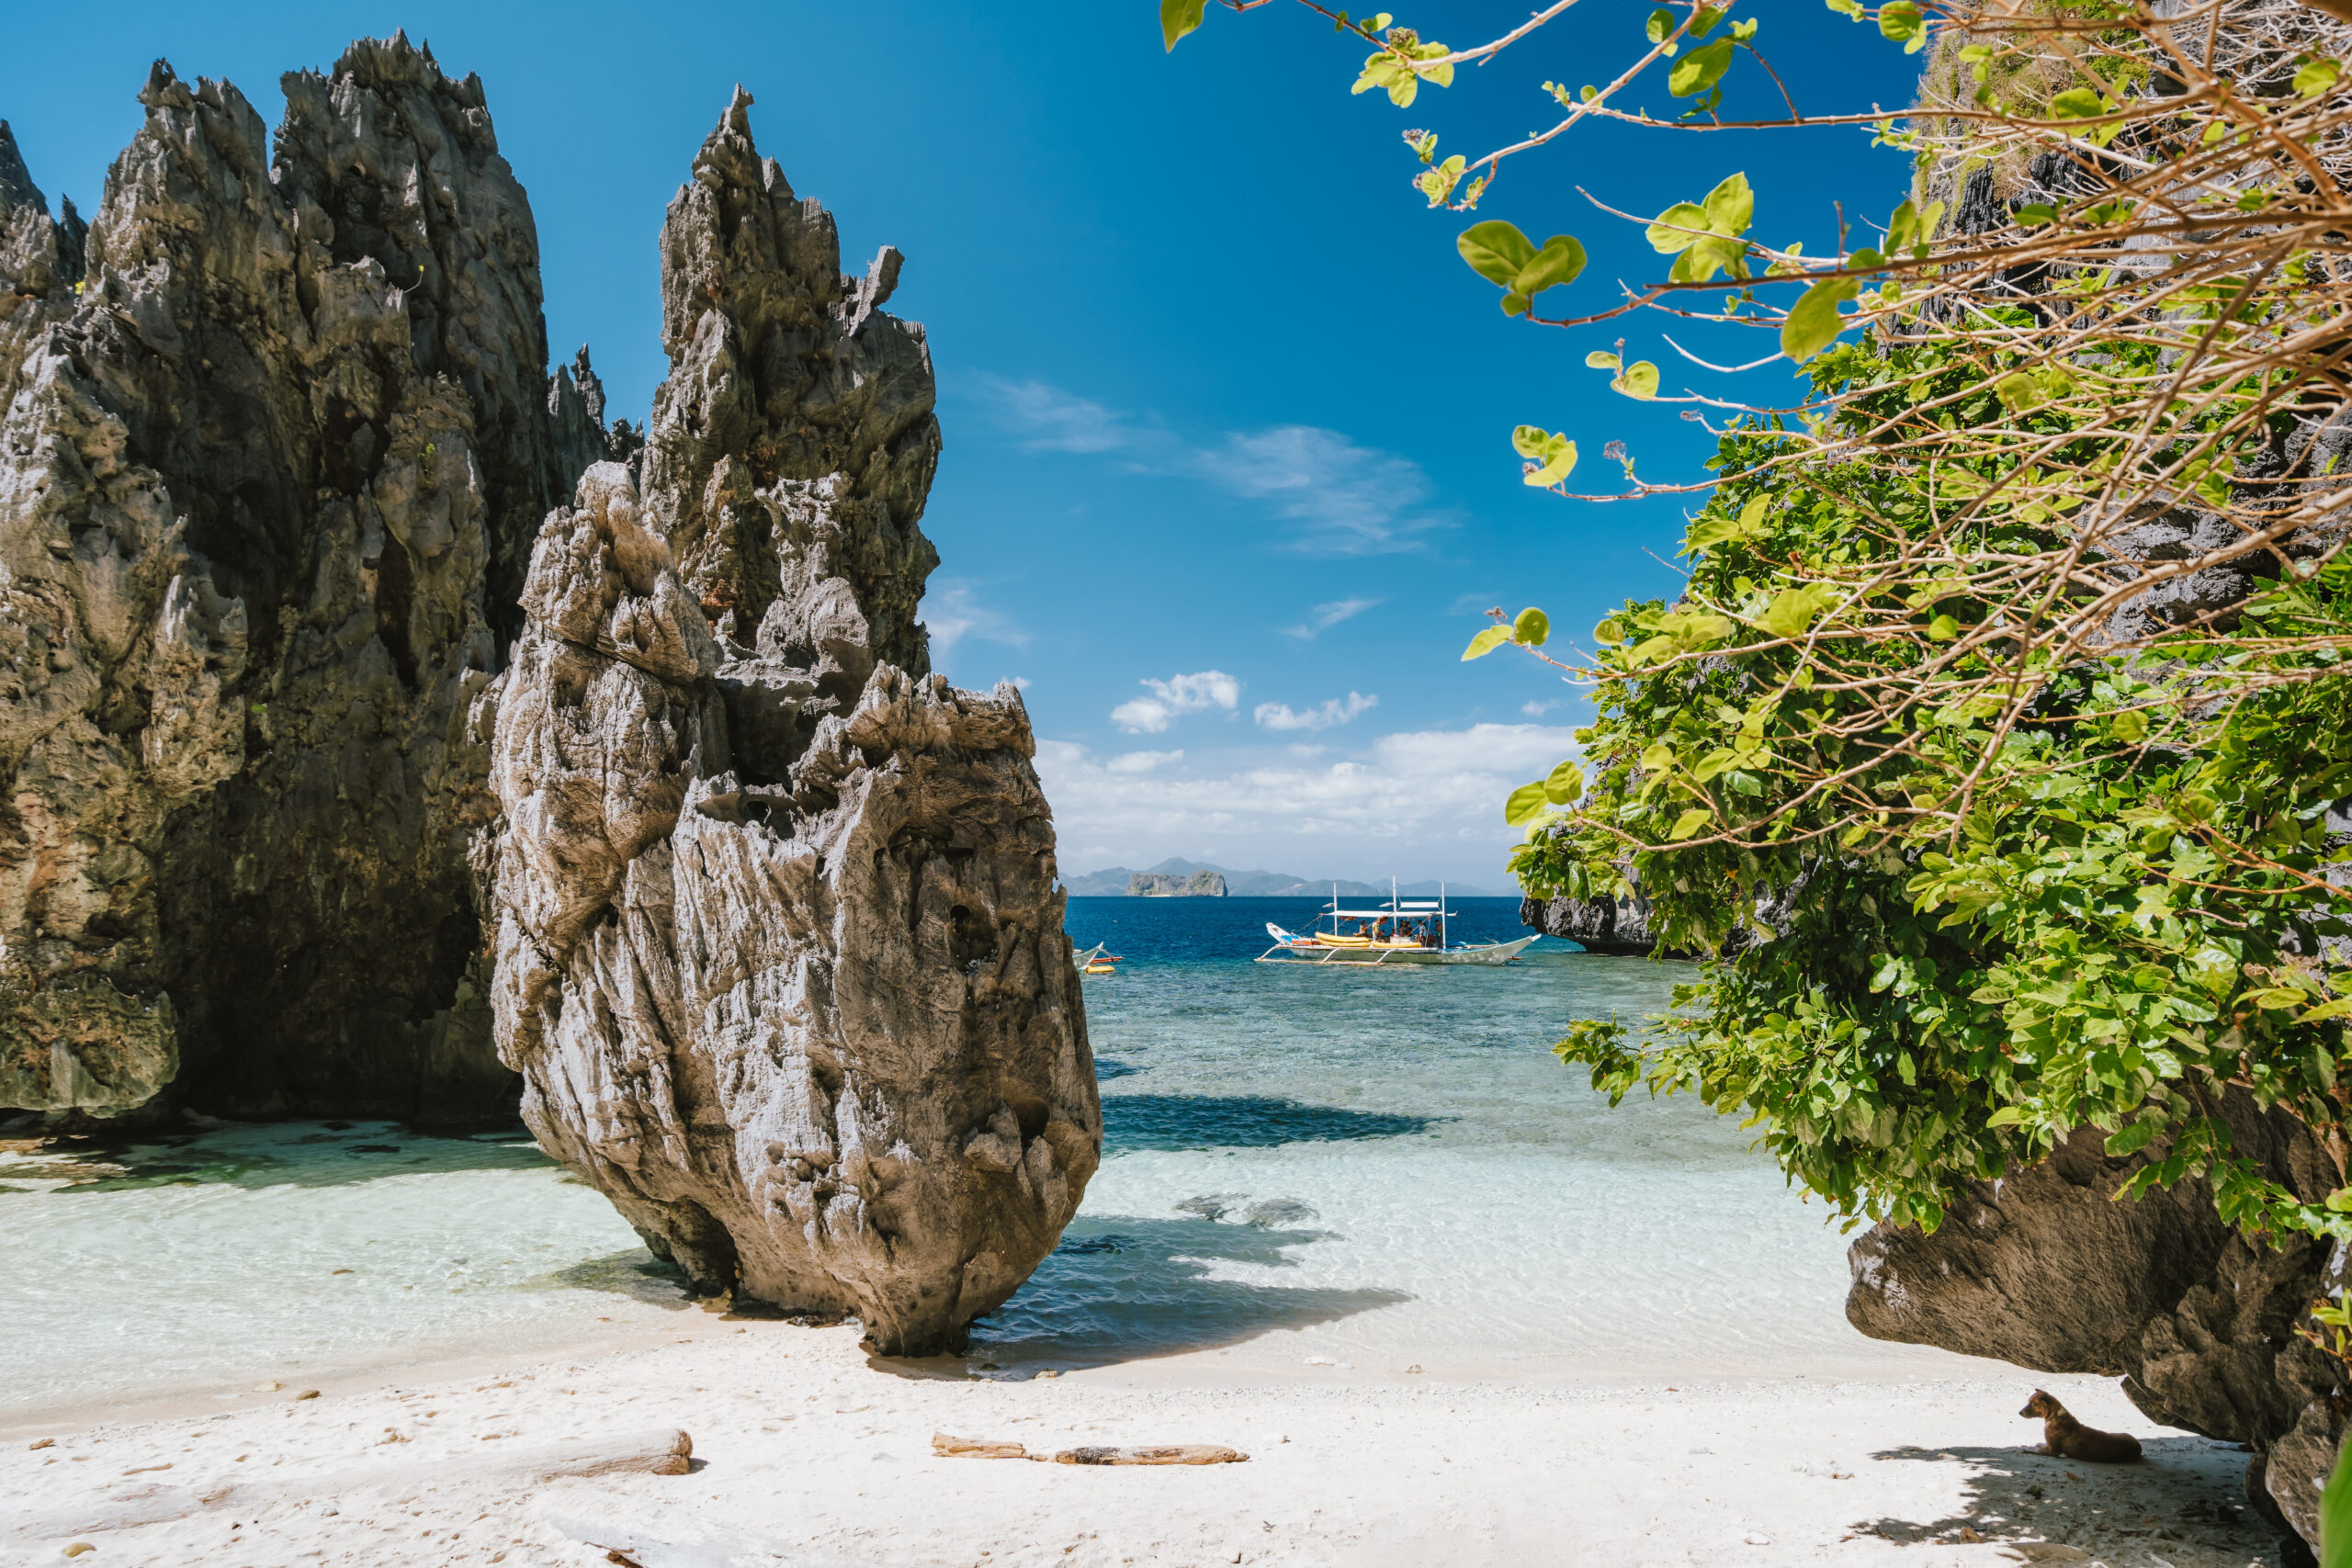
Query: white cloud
1173, 698
1051, 420
1142, 761
1420, 803
1343, 499
1021, 682
952, 610
1537, 710
1351, 499
1278, 716
1325, 617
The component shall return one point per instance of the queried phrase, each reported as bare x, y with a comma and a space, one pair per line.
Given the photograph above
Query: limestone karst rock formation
277, 435
779, 949
2044, 1270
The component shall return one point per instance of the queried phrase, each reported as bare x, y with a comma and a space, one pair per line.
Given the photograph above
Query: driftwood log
947, 1447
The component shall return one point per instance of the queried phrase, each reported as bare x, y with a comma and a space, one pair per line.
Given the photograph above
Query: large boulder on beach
2042, 1267
779, 947
278, 435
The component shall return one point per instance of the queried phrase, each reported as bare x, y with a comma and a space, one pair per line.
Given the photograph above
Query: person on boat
1429, 937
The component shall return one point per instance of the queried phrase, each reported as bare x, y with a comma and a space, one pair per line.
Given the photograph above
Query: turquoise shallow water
1368, 1167
1390, 1166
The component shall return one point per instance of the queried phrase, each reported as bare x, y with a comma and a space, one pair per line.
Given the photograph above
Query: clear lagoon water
1373, 1167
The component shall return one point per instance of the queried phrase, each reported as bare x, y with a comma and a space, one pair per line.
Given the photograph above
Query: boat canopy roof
1385, 914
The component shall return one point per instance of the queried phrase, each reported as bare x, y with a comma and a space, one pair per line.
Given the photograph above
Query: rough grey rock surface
1598, 925
2044, 1270
779, 952
264, 482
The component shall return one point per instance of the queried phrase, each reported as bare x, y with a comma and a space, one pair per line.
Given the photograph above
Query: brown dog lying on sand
2066, 1437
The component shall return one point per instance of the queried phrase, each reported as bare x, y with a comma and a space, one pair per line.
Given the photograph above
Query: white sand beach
807, 1451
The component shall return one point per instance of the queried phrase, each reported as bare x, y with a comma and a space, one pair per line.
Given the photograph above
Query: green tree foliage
2002, 820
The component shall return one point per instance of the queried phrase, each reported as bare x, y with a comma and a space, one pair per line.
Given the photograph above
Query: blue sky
1227, 478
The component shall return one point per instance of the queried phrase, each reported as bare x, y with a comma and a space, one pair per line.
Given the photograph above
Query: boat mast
1442, 941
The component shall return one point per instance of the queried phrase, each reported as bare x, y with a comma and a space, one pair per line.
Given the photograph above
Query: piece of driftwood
948, 1447
1172, 1453
661, 1451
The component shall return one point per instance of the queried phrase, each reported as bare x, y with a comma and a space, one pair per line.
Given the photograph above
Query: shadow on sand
1124, 1290
2184, 1503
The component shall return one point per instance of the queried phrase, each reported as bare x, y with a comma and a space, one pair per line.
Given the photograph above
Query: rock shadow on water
1177, 1121
1105, 1069
2185, 1502
634, 1272
263, 1155
1124, 1288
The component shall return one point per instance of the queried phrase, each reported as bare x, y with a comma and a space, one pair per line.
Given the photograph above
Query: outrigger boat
1094, 961
1406, 931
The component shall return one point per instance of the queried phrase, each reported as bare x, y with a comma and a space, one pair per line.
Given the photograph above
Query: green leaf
1528, 440
1525, 805
1559, 458
1486, 642
2130, 725
2135, 1137
1496, 250
1609, 631
2007, 1116
2326, 1010
2335, 1514
1640, 380
2316, 77
1701, 69
1730, 205
1690, 822
1516, 304
2020, 390
1901, 20
2076, 103
1178, 18
1659, 26
1565, 785
1793, 609
1943, 628
1601, 359
1678, 228
1558, 262
1814, 322
2033, 214
1532, 629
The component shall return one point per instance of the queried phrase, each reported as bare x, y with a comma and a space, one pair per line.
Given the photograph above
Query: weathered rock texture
2043, 1269
1598, 925
779, 953
279, 435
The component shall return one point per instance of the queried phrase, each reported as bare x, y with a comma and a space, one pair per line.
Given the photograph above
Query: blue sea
1373, 1167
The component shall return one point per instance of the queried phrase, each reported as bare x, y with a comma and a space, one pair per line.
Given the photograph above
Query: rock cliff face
2043, 1269
779, 953
1598, 925
1160, 885
278, 437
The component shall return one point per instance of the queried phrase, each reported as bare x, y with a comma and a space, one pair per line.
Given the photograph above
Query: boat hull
1492, 953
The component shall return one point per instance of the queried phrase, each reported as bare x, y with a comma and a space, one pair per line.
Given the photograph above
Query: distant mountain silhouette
1115, 883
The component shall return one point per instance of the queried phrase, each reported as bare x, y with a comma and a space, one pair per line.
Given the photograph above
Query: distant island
1174, 885
1175, 878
